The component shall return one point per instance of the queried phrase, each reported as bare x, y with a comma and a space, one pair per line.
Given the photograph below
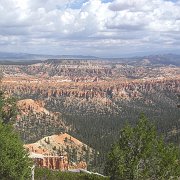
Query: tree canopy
14, 161
141, 154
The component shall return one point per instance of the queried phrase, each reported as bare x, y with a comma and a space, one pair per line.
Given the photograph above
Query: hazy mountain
26, 56
151, 60
162, 59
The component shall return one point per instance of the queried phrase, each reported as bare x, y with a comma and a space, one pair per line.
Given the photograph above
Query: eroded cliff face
98, 96
126, 89
88, 71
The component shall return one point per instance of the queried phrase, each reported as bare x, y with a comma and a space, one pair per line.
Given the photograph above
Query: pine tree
14, 161
141, 154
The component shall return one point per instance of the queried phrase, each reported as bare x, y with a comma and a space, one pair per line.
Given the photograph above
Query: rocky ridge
77, 153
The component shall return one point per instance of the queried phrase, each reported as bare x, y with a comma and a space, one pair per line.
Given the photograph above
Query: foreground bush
141, 154
14, 161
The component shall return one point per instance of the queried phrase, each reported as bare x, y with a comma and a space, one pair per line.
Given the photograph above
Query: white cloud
92, 26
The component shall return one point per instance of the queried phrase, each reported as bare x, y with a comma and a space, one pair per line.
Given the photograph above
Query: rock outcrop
60, 151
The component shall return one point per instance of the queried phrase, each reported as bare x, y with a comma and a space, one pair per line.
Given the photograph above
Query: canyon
92, 99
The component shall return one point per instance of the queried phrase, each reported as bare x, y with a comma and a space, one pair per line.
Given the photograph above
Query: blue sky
104, 28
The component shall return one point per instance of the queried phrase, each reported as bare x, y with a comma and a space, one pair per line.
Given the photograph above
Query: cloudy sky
105, 28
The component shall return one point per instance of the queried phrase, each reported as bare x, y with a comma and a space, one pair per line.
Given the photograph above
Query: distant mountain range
164, 59
160, 59
25, 58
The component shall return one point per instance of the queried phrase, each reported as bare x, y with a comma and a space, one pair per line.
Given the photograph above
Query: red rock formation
45, 155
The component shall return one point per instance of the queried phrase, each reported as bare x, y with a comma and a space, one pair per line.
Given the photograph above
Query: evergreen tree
141, 154
14, 161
